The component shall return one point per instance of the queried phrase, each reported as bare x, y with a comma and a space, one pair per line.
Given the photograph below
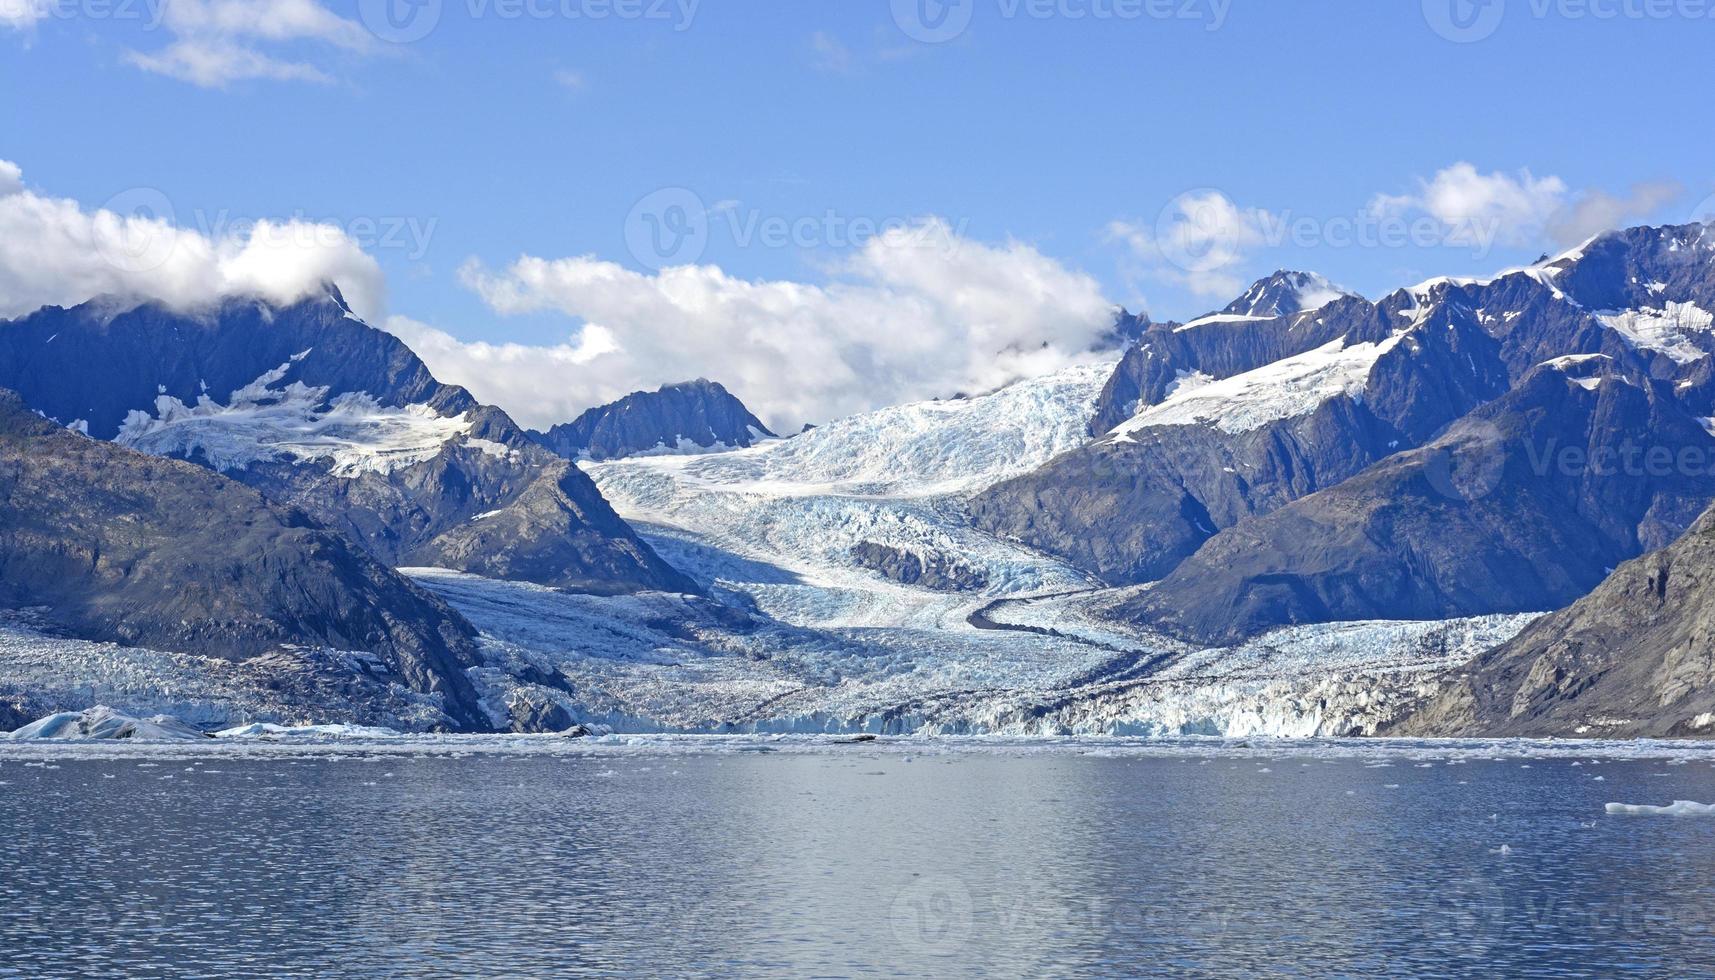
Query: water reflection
851, 864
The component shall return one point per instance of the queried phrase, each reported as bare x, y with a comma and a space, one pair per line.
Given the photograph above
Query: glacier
801, 636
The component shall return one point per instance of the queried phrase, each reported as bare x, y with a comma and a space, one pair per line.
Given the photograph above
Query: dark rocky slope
1634, 658
698, 413
1492, 517
115, 545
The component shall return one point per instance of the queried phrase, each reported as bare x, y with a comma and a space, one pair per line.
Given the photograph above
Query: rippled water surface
856, 862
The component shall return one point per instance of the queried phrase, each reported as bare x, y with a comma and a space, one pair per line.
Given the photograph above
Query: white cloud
1481, 210
1199, 241
1594, 212
571, 81
212, 64
219, 41
916, 313
54, 251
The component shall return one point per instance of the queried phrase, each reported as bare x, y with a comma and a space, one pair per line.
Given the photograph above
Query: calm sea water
858, 863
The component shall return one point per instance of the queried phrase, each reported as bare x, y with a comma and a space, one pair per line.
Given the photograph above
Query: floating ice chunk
1678, 808
103, 723
266, 730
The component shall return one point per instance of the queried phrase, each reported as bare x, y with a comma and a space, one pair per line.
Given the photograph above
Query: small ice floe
1678, 808
266, 731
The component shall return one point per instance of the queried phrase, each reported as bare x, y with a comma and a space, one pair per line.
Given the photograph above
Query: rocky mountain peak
1284, 293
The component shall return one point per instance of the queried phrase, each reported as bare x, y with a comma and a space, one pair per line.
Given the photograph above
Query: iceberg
102, 723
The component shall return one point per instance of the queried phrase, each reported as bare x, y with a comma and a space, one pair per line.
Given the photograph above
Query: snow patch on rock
261, 423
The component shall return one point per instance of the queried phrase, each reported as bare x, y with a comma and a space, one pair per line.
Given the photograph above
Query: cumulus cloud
1480, 210
55, 251
217, 42
1199, 241
916, 313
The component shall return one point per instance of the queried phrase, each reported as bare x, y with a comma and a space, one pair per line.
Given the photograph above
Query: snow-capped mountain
1208, 424
318, 410
1285, 293
1495, 516
103, 543
690, 417
1259, 412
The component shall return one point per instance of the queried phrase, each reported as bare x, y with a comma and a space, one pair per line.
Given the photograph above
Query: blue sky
505, 133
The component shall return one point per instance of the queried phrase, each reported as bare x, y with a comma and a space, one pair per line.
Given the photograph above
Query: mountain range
1458, 451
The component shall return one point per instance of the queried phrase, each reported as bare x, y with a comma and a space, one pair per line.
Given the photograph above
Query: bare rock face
690, 416
1634, 658
116, 545
415, 471
936, 572
1523, 506
1133, 504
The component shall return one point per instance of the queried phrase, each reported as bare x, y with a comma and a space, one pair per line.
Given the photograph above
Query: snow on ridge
1287, 388
1222, 318
262, 423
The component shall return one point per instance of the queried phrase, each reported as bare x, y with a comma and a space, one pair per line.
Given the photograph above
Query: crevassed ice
1670, 330
262, 423
921, 449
